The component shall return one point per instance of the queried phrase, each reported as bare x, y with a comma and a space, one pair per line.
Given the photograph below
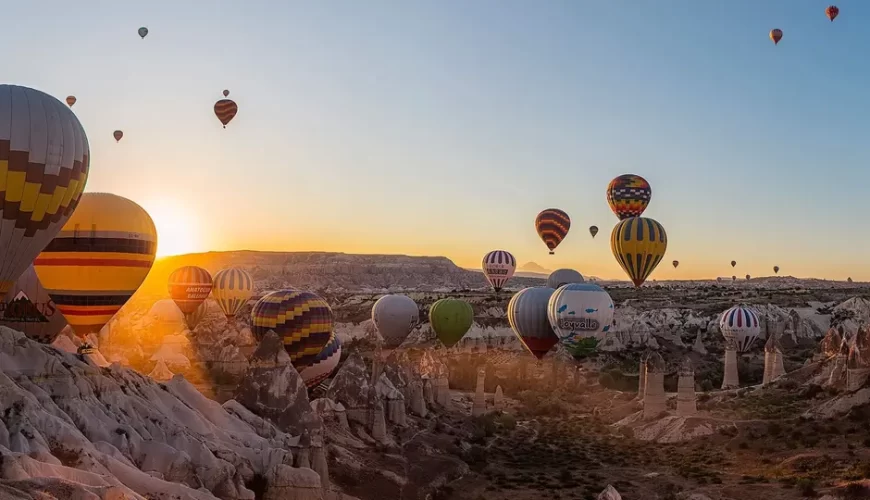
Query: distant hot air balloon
849, 279
776, 269
143, 32
638, 243
231, 289
302, 319
580, 311
561, 277
734, 278
395, 316
748, 277
733, 263
832, 11
450, 320
70, 100
29, 309
189, 286
498, 267
740, 325
44, 164
676, 263
323, 364
552, 225
593, 230
118, 135
628, 195
225, 110
776, 35
527, 315
98, 261
226, 93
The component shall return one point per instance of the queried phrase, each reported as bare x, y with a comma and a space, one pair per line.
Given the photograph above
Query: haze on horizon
442, 128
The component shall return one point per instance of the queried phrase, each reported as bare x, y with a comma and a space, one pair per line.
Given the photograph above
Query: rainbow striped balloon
302, 319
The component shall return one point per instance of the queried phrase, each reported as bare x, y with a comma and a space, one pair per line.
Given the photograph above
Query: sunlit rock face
351, 387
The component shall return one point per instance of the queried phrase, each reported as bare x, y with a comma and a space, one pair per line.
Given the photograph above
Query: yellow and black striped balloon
302, 319
639, 244
232, 288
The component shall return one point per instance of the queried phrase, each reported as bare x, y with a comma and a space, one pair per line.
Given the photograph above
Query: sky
443, 127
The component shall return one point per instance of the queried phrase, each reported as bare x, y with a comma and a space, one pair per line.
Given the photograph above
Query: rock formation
498, 399
698, 346
287, 483
351, 388
442, 393
730, 380
318, 459
161, 372
330, 412
609, 493
858, 361
641, 386
686, 403
654, 402
418, 399
479, 406
273, 389
773, 364
428, 390
379, 424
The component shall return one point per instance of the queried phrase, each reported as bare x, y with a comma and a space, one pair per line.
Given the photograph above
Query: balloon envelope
498, 267
740, 325
593, 230
395, 316
832, 12
29, 309
450, 319
98, 260
580, 311
639, 244
527, 315
561, 277
302, 319
552, 226
70, 100
628, 195
323, 364
118, 135
143, 31
44, 163
676, 263
189, 286
733, 263
225, 110
231, 289
776, 35
776, 269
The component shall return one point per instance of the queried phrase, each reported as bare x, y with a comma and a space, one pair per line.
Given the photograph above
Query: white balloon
498, 267
580, 310
740, 325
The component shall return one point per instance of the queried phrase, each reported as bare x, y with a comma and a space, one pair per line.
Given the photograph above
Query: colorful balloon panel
28, 308
527, 315
302, 319
579, 311
395, 316
552, 226
628, 195
44, 163
231, 289
323, 364
450, 320
225, 110
561, 277
639, 244
741, 326
498, 267
189, 286
98, 260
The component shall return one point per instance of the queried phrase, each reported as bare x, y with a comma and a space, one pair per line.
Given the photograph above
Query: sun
177, 230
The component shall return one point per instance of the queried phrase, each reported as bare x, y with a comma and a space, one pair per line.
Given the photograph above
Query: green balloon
451, 319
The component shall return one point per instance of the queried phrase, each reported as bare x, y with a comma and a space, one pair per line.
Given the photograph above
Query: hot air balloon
189, 286
552, 225
561, 277
776, 35
776, 269
676, 263
395, 316
302, 319
28, 308
638, 243
70, 100
498, 267
118, 135
593, 230
740, 325
748, 277
734, 278
628, 195
323, 364
527, 315
849, 279
832, 11
197, 315
580, 311
44, 163
733, 263
450, 319
226, 93
225, 110
231, 289
143, 31
98, 260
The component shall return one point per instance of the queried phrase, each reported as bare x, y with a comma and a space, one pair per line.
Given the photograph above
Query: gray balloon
527, 315
395, 316
28, 309
561, 277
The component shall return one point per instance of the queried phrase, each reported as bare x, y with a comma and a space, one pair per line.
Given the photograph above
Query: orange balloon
776, 35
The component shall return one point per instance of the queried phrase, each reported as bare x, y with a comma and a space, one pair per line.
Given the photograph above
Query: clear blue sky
443, 127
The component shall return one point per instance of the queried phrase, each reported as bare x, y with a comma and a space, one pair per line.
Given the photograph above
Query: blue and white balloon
740, 325
579, 311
